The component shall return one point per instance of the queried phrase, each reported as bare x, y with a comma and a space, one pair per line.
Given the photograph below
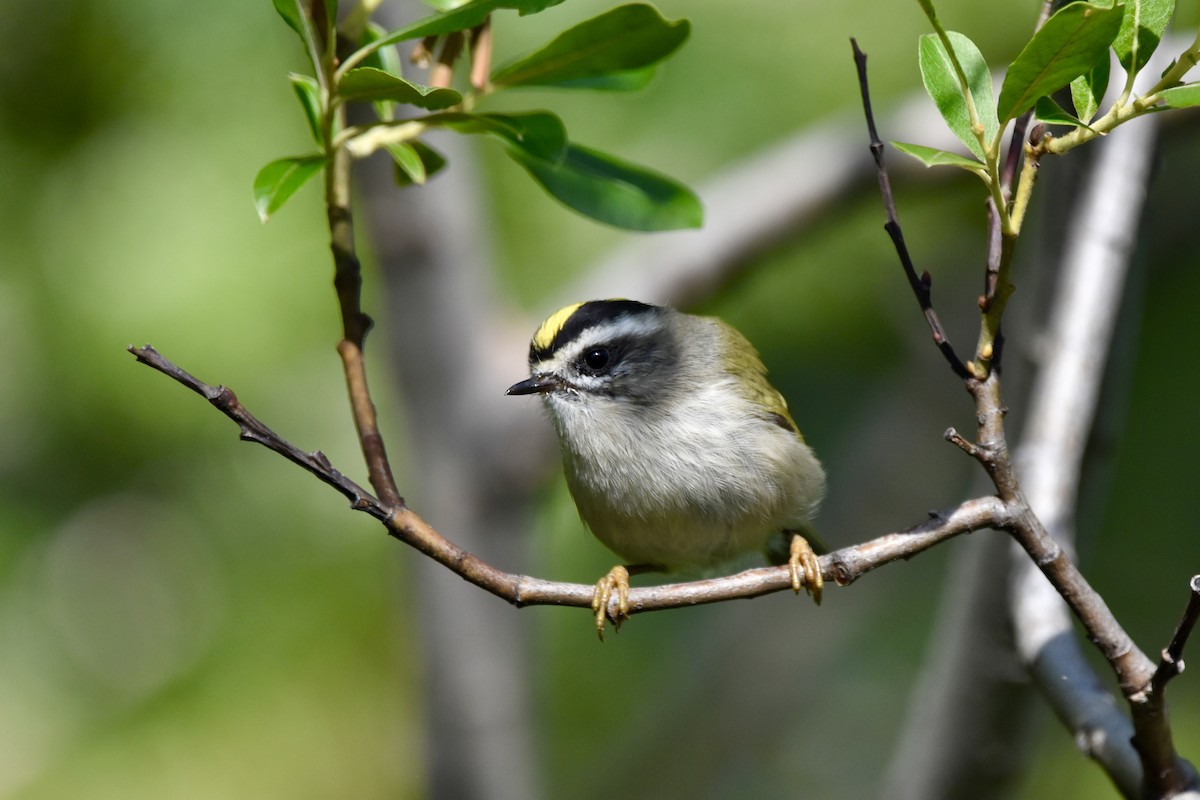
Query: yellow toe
805, 569
616, 580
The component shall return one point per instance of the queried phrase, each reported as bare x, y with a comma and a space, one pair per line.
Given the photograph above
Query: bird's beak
538, 384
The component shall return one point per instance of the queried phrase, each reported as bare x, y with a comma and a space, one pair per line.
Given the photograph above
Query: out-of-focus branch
843, 566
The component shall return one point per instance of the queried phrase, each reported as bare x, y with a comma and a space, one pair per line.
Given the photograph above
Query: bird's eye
597, 358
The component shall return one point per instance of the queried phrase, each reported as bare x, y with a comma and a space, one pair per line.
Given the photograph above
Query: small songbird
677, 450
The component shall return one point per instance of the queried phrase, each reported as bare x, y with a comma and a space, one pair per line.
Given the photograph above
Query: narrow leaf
415, 161
464, 17
612, 191
1087, 91
941, 81
932, 157
309, 95
539, 134
290, 11
409, 166
368, 83
1149, 18
1068, 45
383, 58
1181, 96
629, 37
1049, 111
629, 81
279, 180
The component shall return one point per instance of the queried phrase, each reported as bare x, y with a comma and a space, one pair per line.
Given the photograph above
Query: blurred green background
182, 616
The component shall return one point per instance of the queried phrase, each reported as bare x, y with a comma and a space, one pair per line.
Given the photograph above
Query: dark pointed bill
538, 384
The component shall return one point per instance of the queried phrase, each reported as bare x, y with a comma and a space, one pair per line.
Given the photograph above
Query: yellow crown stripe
553, 324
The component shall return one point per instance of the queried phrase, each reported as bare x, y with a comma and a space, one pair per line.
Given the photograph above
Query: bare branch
843, 566
1165, 774
1171, 663
921, 285
252, 430
355, 324
1062, 408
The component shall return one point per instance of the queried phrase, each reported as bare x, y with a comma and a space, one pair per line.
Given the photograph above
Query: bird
679, 453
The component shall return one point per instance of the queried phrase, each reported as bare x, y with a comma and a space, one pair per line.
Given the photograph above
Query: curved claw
616, 580
805, 569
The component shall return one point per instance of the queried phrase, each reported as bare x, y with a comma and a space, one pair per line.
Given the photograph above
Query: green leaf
416, 162
941, 81
444, 5
290, 11
932, 157
309, 95
384, 58
629, 81
629, 37
612, 191
369, 83
279, 180
539, 134
1052, 113
409, 167
462, 18
1149, 18
1087, 91
1181, 96
1068, 45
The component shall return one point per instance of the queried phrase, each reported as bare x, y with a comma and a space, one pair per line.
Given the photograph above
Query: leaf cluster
615, 51
1072, 50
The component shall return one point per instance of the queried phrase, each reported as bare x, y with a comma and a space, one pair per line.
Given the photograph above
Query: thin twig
442, 73
1167, 774
994, 251
362, 408
842, 566
347, 281
921, 285
252, 430
1171, 663
481, 54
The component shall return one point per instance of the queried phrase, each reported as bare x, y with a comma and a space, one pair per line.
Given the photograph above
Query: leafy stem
1187, 59
977, 128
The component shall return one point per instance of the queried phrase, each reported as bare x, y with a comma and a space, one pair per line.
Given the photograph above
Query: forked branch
841, 566
1164, 772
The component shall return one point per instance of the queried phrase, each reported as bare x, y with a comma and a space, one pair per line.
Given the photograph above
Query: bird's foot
617, 580
805, 569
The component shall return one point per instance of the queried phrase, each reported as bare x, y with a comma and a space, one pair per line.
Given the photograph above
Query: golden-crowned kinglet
677, 450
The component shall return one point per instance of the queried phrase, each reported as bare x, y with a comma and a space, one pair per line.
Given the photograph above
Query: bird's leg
804, 568
617, 580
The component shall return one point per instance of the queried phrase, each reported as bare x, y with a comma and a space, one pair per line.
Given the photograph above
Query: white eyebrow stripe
635, 326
